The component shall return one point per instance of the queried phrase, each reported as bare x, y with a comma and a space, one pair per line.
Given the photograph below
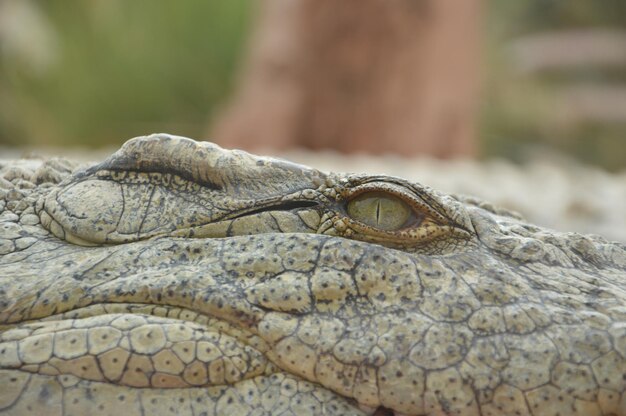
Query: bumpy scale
179, 278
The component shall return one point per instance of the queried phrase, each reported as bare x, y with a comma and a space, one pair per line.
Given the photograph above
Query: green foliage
125, 68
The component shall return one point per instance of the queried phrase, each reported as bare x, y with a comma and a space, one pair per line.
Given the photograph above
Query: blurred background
521, 103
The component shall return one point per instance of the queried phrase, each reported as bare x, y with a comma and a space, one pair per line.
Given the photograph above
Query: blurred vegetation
527, 113
109, 70
511, 18
123, 68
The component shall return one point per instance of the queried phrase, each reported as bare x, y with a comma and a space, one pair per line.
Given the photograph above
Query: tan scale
113, 363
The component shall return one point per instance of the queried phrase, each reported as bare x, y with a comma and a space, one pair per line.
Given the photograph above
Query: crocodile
180, 278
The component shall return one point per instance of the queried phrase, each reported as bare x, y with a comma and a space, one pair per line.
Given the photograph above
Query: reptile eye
380, 210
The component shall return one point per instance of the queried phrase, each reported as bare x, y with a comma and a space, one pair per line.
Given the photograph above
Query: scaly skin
180, 278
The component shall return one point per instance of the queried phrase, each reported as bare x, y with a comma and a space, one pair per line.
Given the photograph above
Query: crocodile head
177, 277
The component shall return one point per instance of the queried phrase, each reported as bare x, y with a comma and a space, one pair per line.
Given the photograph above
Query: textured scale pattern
177, 277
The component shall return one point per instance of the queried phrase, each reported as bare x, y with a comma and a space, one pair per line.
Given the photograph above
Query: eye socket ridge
386, 207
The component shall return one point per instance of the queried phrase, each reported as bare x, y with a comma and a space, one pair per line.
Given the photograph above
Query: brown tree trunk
375, 76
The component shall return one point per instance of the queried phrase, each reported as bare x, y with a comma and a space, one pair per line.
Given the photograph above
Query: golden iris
379, 210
